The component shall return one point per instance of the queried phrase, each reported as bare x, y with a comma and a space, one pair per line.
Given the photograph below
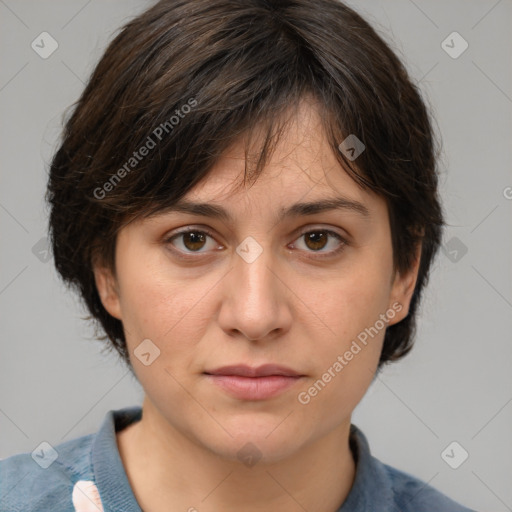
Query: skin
287, 307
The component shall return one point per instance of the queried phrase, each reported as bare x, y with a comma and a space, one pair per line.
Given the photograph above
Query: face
311, 292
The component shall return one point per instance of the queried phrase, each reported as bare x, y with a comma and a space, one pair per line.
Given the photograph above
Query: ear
107, 290
403, 288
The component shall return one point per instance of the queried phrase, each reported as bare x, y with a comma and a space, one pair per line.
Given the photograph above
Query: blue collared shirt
48, 478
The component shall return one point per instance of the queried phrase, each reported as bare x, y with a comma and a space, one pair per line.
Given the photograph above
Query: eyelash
317, 255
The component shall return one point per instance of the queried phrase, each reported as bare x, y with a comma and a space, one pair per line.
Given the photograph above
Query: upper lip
260, 371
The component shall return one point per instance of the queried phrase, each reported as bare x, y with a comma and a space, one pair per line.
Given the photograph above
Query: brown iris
194, 240
317, 238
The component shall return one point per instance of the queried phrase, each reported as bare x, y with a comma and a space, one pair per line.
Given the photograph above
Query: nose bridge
255, 304
254, 279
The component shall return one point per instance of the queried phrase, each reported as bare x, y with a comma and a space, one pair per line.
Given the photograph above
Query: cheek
351, 306
340, 394
355, 299
161, 305
171, 314
343, 376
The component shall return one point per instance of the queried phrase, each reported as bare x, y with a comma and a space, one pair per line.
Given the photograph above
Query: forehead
302, 166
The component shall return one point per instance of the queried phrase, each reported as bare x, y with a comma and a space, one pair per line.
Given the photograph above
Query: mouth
249, 383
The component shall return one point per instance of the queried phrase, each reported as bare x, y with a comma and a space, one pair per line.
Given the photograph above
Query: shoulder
413, 495
44, 479
383, 488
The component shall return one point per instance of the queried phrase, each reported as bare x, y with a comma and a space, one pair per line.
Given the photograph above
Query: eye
192, 240
316, 240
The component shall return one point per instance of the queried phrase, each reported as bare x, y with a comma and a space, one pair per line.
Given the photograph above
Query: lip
248, 383
264, 370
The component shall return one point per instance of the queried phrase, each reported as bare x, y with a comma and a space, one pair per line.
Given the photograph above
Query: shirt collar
372, 487
111, 479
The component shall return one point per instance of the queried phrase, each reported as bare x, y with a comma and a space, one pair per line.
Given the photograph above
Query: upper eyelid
210, 232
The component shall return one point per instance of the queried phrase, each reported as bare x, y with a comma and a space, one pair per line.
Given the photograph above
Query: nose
255, 299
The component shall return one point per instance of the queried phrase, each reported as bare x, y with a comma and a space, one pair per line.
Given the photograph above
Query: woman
246, 199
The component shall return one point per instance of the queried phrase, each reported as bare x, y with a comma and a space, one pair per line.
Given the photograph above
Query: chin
257, 442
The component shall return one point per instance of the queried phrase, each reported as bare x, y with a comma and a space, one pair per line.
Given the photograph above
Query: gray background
56, 385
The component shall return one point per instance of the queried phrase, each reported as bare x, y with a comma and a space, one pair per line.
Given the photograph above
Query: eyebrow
295, 210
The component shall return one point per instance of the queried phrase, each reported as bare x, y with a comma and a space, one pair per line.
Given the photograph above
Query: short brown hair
207, 72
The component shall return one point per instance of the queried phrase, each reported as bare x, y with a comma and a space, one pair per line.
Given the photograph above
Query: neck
167, 470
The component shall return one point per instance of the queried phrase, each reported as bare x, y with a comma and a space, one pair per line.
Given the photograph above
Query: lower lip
253, 388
